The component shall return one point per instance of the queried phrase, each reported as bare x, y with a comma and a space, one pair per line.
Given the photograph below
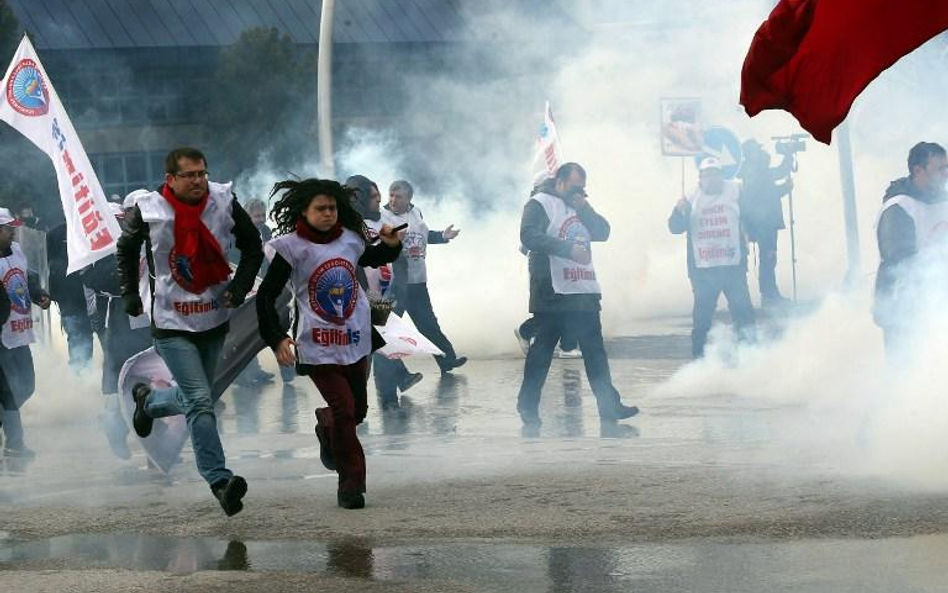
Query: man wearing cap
558, 227
187, 227
17, 377
717, 252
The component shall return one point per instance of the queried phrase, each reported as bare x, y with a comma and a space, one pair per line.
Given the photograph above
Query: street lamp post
324, 89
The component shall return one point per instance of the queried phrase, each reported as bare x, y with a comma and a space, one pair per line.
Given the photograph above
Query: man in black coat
557, 229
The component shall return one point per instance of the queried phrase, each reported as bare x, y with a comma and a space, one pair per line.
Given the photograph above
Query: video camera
790, 145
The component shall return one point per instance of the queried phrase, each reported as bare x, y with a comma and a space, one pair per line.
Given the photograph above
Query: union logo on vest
334, 291
18, 290
574, 230
181, 271
26, 90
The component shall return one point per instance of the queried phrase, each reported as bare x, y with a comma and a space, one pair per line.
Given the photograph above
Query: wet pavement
906, 564
719, 493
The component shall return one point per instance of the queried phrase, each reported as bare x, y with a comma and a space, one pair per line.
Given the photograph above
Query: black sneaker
623, 411
325, 453
229, 493
141, 421
449, 366
410, 380
350, 500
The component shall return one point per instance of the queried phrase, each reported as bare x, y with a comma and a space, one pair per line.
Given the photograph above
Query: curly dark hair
297, 195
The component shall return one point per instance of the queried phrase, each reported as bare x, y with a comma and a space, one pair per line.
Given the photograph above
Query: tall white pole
324, 89
849, 201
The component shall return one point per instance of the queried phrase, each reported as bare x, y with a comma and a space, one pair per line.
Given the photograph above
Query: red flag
813, 57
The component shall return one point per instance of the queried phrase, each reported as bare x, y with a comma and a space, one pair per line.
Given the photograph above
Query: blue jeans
192, 364
12, 428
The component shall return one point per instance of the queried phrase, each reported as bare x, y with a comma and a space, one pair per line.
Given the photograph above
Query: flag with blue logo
31, 105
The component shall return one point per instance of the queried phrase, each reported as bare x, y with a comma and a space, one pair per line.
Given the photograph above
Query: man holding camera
762, 210
557, 228
717, 252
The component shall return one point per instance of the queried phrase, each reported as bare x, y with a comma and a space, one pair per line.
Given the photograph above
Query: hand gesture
449, 233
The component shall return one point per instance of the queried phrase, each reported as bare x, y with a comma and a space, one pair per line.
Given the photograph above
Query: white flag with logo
548, 154
32, 107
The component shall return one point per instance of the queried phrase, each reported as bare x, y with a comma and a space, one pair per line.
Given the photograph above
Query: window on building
123, 173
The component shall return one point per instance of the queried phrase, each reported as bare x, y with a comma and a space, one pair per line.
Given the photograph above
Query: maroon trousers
344, 389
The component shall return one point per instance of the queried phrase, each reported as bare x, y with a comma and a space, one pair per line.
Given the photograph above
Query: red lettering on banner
101, 239
67, 160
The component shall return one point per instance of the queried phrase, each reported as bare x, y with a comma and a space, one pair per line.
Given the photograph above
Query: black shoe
450, 365
325, 453
623, 411
350, 500
229, 493
410, 380
141, 421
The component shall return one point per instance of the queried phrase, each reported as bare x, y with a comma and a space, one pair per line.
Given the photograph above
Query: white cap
132, 198
7, 219
541, 177
116, 209
709, 163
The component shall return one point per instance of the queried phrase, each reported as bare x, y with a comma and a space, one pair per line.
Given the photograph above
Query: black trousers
387, 374
417, 303
528, 329
707, 285
767, 264
586, 328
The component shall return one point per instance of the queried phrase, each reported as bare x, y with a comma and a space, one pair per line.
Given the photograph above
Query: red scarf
316, 236
197, 256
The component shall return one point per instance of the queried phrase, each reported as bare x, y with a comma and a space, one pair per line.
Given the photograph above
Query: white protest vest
568, 276
18, 330
716, 227
931, 220
175, 307
414, 243
380, 278
334, 326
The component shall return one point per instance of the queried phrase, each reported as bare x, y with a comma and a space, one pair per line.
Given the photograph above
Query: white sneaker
524, 343
576, 353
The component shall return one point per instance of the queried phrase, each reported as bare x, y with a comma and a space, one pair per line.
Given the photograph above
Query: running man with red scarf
322, 242
187, 226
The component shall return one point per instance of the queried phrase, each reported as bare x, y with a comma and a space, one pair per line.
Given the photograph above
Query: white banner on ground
168, 435
32, 107
403, 340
